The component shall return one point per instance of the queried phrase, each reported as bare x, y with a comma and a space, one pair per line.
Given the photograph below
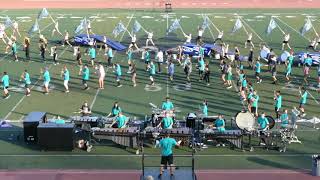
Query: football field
134, 101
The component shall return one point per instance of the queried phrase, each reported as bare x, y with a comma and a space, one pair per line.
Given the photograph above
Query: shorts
285, 42
249, 41
14, 53
26, 85
84, 81
253, 109
301, 105
65, 82
306, 70
46, 84
133, 43
257, 74
167, 160
146, 62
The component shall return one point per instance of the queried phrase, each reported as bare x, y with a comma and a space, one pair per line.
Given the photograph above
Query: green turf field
135, 101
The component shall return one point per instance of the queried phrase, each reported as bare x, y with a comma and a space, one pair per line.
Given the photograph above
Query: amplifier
30, 124
52, 136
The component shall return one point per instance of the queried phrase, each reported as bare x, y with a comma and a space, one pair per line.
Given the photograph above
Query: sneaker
7, 97
223, 145
229, 87
67, 91
129, 72
119, 85
262, 144
46, 93
218, 145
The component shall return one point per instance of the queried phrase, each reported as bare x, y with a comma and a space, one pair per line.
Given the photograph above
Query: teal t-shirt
308, 61
205, 110
244, 83
27, 78
118, 70
14, 47
278, 102
255, 102
46, 76
303, 98
241, 77
167, 105
201, 65
129, 55
66, 75
5, 80
166, 145
152, 69
263, 122
284, 120
290, 60
85, 74
147, 56
115, 111
121, 120
219, 123
167, 122
258, 67
110, 54
92, 53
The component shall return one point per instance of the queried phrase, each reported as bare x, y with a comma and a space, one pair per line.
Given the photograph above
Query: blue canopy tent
82, 39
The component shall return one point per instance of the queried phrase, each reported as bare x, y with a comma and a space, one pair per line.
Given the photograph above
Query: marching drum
245, 121
271, 121
264, 52
284, 56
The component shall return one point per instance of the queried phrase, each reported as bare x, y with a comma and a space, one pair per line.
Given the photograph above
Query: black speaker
30, 124
52, 136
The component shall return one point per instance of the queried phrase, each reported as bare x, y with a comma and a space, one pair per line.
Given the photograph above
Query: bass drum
245, 121
271, 121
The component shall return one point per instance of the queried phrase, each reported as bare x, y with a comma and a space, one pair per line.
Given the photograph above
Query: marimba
233, 137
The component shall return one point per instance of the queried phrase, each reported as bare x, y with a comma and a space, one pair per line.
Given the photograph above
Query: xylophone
85, 122
183, 134
127, 137
234, 137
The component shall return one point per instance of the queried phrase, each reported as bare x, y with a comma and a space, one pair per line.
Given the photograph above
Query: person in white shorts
200, 33
149, 39
89, 29
188, 38
66, 39
219, 38
102, 74
133, 42
286, 38
15, 28
3, 34
9, 43
249, 40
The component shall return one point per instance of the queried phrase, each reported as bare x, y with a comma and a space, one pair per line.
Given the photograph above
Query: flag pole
279, 27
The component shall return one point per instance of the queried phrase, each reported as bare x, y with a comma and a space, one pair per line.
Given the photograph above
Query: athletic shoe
119, 85
229, 87
28, 95
218, 145
7, 97
67, 91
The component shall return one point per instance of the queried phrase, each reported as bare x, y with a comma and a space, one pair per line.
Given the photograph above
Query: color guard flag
272, 25
118, 29
43, 13
307, 26
136, 27
238, 25
8, 22
174, 26
34, 28
82, 25
205, 23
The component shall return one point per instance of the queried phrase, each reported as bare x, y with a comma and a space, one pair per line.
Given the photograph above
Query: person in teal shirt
278, 103
120, 121
46, 80
5, 83
115, 110
289, 64
110, 56
66, 78
254, 103
152, 72
14, 50
129, 54
85, 77
92, 54
118, 74
26, 77
284, 119
258, 71
201, 66
166, 145
263, 122
220, 123
303, 100
167, 122
205, 108
244, 83
167, 105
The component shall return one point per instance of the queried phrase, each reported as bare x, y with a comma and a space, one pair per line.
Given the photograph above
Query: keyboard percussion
233, 137
127, 137
86, 122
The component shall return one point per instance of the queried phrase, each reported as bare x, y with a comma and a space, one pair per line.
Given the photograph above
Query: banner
307, 26
272, 25
118, 29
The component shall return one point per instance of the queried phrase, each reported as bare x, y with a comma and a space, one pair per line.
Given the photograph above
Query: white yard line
292, 28
313, 97
252, 30
23, 97
97, 93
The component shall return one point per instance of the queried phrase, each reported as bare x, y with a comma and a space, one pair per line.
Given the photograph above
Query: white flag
238, 25
272, 25
307, 26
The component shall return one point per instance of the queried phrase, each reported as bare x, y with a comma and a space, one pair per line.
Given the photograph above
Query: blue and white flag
118, 29
34, 28
205, 23
7, 22
272, 25
81, 26
136, 27
307, 26
43, 13
174, 26
238, 25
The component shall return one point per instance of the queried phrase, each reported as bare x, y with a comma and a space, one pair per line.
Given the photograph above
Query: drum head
284, 56
272, 122
264, 52
245, 120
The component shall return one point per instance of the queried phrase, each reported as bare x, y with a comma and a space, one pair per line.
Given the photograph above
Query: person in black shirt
27, 47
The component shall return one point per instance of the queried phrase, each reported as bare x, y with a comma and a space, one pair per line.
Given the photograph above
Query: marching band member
66, 78
254, 106
206, 76
167, 105
54, 55
85, 109
26, 77
27, 47
118, 74
120, 121
219, 124
263, 126
46, 80
15, 28
14, 49
229, 77
200, 33
152, 71
115, 110
284, 119
42, 46
205, 108
286, 38
159, 58
85, 77
133, 74
109, 54
146, 57
129, 54
133, 42
313, 44
3, 34
9, 44
188, 38
167, 122
219, 37
188, 68
149, 39
289, 63
306, 68
66, 39
257, 68
79, 60
171, 71
92, 54
201, 66
249, 40
303, 99
101, 73
278, 103
5, 83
